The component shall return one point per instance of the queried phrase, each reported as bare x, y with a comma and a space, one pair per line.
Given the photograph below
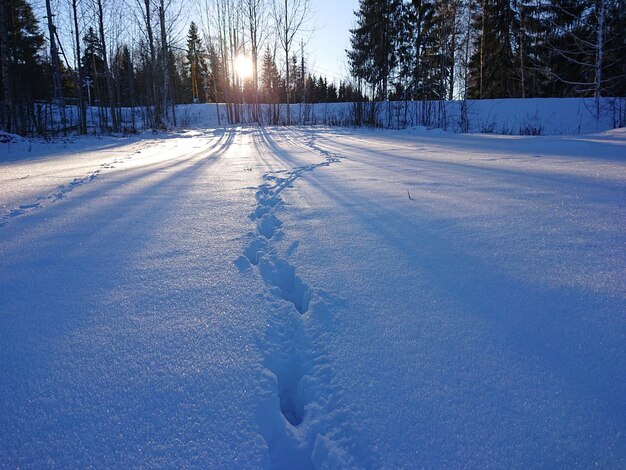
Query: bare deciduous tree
82, 108
289, 16
107, 69
255, 17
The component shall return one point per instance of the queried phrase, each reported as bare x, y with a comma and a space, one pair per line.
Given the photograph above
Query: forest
135, 60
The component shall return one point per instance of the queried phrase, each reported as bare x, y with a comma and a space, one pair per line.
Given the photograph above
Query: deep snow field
314, 298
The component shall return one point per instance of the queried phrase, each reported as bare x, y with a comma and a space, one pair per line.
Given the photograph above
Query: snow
530, 116
516, 116
314, 298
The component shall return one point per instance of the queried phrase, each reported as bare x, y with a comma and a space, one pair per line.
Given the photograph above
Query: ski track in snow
299, 372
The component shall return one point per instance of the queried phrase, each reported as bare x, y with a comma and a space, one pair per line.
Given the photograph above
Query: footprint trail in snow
299, 379
42, 201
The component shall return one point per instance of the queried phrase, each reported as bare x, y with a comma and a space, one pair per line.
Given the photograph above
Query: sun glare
243, 67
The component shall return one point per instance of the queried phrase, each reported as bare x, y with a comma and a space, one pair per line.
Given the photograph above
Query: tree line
128, 63
479, 49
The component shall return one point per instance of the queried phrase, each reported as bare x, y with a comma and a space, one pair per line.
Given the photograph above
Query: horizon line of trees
99, 56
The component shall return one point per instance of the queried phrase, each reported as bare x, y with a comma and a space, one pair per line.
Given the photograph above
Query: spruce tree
427, 72
93, 66
529, 31
331, 94
295, 77
492, 65
270, 78
374, 43
310, 89
614, 65
23, 72
217, 83
124, 76
587, 47
197, 67
272, 85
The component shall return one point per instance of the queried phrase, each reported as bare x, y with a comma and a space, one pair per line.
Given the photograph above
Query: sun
243, 66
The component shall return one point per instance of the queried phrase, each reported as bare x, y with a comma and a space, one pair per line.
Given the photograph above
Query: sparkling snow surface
314, 298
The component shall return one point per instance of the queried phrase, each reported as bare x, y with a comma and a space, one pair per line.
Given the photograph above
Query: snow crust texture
314, 298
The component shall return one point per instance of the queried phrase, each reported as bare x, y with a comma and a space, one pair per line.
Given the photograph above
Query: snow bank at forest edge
533, 116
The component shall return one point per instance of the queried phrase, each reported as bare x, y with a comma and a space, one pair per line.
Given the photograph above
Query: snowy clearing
314, 298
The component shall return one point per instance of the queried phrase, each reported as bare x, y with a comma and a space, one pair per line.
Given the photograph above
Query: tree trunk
522, 51
482, 50
158, 121
56, 68
107, 70
597, 92
165, 65
286, 31
453, 46
82, 127
5, 61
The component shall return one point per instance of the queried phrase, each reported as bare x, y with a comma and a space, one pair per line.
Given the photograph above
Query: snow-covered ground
529, 116
513, 116
314, 298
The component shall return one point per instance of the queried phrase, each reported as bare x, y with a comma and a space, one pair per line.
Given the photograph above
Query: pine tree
178, 75
568, 59
348, 93
321, 90
295, 77
143, 74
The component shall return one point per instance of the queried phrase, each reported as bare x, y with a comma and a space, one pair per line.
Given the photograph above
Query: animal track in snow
42, 201
289, 381
330, 156
61, 191
268, 225
282, 276
255, 250
299, 368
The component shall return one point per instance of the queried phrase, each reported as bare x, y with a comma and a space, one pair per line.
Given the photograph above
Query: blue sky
330, 37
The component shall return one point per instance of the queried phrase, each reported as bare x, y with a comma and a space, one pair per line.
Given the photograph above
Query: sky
330, 37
